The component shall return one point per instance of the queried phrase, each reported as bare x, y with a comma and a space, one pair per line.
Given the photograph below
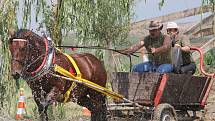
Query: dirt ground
210, 107
74, 112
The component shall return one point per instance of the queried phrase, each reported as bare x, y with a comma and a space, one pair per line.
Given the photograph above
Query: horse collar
46, 64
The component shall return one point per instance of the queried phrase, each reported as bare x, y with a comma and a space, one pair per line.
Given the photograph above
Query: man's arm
164, 47
185, 44
186, 49
134, 47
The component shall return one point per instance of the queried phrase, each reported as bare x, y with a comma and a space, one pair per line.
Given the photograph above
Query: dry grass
64, 112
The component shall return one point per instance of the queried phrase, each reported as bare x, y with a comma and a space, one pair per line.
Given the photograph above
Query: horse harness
47, 64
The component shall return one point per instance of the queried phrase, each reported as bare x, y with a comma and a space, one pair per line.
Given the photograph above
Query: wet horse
33, 58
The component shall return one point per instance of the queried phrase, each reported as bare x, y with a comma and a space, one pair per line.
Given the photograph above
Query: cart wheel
164, 112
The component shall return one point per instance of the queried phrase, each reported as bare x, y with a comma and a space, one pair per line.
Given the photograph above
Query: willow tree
94, 22
8, 19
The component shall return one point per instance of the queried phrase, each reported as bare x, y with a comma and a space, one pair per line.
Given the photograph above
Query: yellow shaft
88, 83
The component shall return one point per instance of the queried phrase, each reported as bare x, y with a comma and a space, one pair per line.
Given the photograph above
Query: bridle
26, 62
19, 61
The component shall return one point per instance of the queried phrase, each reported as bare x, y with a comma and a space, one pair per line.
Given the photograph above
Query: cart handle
202, 62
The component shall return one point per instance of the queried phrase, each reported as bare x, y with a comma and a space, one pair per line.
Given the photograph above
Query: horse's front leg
42, 108
43, 100
43, 112
53, 95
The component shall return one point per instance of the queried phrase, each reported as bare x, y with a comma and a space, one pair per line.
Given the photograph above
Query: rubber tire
163, 112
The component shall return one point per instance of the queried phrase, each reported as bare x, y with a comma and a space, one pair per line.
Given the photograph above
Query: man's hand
153, 50
177, 45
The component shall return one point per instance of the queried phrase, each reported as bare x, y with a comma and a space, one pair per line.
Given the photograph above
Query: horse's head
18, 45
25, 46
18, 52
31, 54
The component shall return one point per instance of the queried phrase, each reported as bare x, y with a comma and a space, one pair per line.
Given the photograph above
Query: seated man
159, 47
181, 43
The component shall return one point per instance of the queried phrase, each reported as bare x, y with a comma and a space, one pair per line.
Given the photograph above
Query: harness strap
44, 60
46, 64
73, 63
67, 94
68, 76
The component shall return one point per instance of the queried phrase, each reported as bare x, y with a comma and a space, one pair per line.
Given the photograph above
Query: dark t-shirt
158, 58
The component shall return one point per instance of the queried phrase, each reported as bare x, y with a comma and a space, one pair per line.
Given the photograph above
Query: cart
163, 97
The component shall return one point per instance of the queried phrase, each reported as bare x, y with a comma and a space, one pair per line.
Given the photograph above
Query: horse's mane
19, 34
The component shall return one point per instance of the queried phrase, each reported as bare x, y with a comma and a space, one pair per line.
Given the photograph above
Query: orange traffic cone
21, 105
86, 112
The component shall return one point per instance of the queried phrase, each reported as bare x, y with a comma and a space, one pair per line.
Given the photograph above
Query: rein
96, 47
43, 68
103, 48
44, 60
21, 62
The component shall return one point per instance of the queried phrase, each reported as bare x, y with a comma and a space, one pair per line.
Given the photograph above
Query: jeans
149, 67
190, 68
178, 66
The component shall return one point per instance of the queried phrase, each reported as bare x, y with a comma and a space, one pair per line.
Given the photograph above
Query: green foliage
161, 4
210, 58
209, 61
7, 85
208, 2
93, 22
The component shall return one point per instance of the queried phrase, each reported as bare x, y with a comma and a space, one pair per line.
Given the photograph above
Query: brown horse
33, 58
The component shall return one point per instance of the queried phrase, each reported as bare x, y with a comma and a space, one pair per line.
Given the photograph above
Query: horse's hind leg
99, 112
98, 109
96, 104
85, 102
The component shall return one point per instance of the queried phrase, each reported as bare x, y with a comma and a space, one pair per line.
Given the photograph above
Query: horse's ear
28, 33
11, 32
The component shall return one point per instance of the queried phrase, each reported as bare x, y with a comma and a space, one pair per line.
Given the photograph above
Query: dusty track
210, 107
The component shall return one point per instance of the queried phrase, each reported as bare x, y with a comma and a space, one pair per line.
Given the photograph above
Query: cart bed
180, 90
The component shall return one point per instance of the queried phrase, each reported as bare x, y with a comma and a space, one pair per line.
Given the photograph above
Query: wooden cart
163, 97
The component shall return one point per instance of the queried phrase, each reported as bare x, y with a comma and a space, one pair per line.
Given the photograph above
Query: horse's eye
22, 49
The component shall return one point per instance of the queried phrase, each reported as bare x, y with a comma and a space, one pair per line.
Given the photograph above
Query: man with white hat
158, 46
182, 43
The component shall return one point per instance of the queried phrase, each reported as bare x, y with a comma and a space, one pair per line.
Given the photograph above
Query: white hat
172, 25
